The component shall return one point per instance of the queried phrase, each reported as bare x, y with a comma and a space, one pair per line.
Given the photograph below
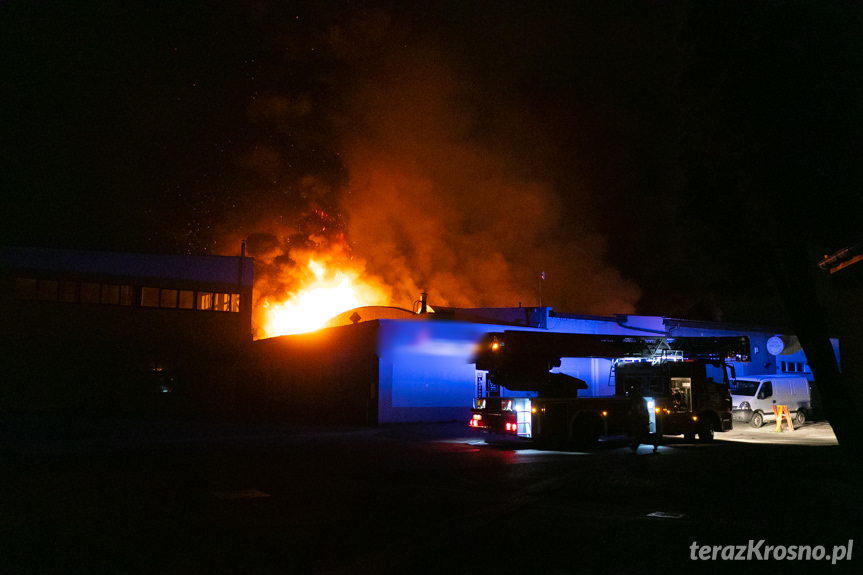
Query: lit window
205, 300
235, 302
223, 302
110, 294
150, 297
187, 299
168, 298
90, 292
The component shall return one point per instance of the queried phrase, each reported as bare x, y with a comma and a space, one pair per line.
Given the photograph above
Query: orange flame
332, 291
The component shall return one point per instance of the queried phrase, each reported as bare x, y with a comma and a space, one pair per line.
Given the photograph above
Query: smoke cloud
441, 185
446, 194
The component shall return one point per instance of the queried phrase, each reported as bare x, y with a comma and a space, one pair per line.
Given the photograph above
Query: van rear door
800, 387
800, 390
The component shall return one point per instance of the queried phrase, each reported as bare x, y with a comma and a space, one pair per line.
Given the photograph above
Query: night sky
637, 152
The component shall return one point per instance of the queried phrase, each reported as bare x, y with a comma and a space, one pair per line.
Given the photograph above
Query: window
223, 302
205, 300
681, 393
745, 387
187, 299
25, 288
110, 294
90, 292
47, 290
68, 291
150, 297
168, 298
794, 367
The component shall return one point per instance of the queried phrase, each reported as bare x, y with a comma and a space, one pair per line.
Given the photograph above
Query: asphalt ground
123, 496
809, 433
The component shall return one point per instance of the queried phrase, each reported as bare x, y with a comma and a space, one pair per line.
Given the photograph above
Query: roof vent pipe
424, 302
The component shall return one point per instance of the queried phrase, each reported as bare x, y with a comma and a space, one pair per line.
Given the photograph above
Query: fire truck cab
687, 401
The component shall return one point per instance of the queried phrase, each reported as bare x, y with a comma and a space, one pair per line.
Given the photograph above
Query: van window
745, 387
766, 390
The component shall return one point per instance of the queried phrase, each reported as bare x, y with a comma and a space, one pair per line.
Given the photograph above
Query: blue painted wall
427, 374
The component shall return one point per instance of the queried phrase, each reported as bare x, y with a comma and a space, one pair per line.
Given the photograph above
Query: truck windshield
744, 387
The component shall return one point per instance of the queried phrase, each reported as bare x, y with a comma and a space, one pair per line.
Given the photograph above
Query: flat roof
210, 269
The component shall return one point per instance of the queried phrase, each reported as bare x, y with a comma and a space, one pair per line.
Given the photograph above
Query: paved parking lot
810, 433
216, 497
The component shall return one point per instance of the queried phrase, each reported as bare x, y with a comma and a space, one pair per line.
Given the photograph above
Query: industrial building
420, 368
106, 331
120, 333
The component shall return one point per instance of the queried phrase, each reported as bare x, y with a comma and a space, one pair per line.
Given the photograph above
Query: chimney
242, 269
424, 302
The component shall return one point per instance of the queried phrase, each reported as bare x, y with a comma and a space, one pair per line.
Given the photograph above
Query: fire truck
683, 382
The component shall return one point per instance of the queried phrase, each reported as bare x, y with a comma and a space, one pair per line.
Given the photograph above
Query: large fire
330, 290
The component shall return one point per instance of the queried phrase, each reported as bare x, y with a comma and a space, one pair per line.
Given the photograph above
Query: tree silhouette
768, 147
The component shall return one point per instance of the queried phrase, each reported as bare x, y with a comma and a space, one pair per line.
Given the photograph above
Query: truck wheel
801, 417
705, 432
757, 420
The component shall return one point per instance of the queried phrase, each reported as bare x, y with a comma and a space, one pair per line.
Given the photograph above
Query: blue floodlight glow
427, 367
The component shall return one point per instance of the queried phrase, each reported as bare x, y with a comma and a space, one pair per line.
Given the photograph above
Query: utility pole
541, 279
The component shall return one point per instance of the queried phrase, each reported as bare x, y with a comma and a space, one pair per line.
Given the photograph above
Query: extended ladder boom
522, 359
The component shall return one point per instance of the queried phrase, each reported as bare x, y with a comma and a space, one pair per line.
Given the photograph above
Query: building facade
120, 331
420, 367
124, 333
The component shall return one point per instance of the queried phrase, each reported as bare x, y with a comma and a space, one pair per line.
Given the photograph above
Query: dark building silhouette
845, 284
121, 332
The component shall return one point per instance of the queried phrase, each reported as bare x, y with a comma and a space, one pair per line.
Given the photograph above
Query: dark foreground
178, 497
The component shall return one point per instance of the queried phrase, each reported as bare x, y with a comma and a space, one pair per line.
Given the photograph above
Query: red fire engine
522, 397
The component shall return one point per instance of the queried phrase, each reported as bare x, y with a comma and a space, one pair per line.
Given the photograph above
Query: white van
753, 398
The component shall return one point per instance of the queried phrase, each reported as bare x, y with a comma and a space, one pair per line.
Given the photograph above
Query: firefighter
639, 421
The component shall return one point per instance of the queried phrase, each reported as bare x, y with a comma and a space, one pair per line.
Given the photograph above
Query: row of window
795, 367
112, 294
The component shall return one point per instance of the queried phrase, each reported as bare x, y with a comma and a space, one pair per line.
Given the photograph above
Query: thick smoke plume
440, 187
447, 195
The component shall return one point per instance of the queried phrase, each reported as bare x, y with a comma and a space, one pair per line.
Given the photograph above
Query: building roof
210, 269
843, 258
369, 313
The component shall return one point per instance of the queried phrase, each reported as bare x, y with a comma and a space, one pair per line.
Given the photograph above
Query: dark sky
631, 150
